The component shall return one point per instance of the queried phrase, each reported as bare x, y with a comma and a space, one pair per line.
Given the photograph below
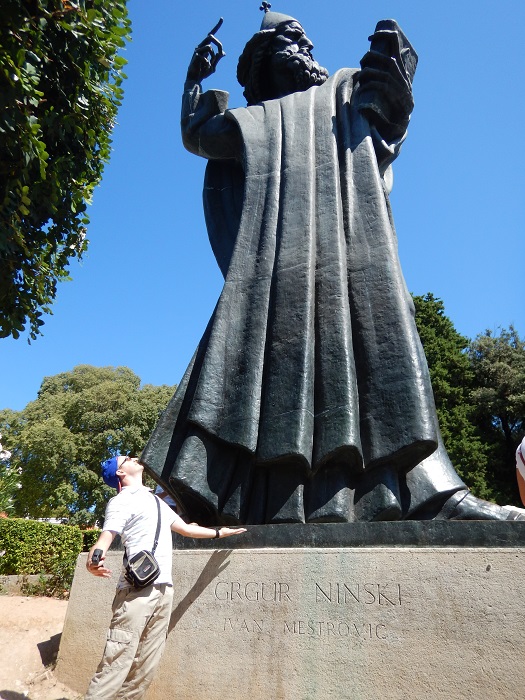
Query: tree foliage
59, 440
8, 481
498, 365
8, 488
60, 87
452, 382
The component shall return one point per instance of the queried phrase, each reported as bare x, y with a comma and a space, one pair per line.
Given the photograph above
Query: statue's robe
308, 398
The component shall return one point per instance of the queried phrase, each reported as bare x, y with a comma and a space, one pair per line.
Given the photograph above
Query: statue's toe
514, 513
464, 506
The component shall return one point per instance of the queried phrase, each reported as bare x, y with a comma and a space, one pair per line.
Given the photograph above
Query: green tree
8, 482
498, 365
60, 87
452, 381
59, 440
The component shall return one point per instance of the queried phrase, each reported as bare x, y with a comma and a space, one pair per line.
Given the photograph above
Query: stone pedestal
410, 620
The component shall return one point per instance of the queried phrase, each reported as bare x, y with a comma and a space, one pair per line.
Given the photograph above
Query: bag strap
157, 531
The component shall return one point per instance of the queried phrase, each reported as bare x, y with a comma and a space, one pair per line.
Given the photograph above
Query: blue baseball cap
109, 472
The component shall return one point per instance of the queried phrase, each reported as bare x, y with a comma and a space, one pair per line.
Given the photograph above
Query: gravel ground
30, 630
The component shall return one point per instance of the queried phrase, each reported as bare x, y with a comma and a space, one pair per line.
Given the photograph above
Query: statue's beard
304, 70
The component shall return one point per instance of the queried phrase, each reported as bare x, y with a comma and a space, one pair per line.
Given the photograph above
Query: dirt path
30, 629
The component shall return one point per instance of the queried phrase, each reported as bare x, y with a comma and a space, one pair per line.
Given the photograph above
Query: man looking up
138, 629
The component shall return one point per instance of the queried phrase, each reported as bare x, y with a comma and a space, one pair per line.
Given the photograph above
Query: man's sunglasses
126, 457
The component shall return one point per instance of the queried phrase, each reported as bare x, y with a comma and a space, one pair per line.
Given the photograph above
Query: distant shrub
89, 538
31, 547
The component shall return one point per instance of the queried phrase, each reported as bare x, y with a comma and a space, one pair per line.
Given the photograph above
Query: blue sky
145, 290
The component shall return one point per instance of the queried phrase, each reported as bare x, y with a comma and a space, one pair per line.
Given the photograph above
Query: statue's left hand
206, 56
383, 74
385, 79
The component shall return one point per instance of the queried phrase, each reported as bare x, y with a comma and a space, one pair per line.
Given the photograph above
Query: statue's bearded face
292, 65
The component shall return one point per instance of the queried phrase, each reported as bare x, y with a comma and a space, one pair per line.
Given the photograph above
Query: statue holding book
308, 398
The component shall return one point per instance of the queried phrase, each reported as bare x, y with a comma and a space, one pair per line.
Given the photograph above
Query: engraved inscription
361, 593
320, 628
250, 600
253, 591
242, 625
309, 628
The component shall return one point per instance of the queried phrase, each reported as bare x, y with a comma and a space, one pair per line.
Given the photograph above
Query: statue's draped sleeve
206, 131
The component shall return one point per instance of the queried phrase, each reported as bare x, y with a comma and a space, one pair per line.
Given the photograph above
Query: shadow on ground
48, 650
11, 695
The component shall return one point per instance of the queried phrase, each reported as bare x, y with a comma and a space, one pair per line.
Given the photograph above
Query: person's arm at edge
193, 530
104, 541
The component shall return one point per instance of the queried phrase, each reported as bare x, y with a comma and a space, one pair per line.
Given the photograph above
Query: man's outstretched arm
197, 531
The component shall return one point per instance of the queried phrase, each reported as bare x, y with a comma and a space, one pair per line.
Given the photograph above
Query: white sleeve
167, 514
115, 517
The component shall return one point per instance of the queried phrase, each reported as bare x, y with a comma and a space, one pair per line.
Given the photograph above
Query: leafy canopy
452, 381
58, 441
479, 389
60, 87
498, 365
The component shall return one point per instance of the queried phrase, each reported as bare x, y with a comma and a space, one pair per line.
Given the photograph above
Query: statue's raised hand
206, 56
385, 79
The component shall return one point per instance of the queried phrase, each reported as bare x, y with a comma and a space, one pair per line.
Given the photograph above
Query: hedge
31, 547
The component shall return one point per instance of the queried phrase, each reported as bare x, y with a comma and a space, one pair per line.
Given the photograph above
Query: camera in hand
95, 559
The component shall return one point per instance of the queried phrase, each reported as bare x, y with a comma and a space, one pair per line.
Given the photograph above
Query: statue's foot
462, 505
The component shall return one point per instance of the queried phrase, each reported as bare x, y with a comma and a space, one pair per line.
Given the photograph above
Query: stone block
332, 623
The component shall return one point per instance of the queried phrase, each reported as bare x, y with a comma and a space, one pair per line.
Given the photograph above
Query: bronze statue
308, 398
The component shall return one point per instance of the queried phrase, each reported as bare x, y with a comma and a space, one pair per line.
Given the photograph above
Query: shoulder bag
143, 569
